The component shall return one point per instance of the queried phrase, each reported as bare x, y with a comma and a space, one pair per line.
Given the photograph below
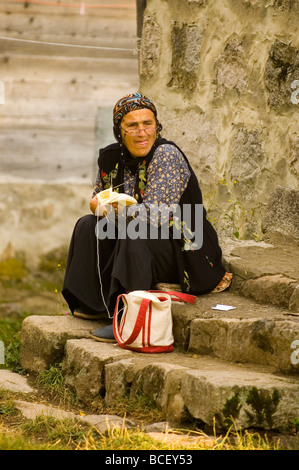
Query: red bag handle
139, 324
183, 297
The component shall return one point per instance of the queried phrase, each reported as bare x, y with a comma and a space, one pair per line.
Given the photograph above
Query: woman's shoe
224, 283
104, 334
86, 316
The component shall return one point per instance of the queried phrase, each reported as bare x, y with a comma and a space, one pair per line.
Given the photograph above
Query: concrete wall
225, 77
53, 92
55, 113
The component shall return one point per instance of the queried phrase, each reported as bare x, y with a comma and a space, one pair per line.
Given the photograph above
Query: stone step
184, 385
267, 273
249, 333
206, 390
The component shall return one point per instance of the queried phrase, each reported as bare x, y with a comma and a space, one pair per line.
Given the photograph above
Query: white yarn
99, 273
97, 214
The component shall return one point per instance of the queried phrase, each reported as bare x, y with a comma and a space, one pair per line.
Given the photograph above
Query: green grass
51, 382
49, 433
7, 405
68, 434
10, 329
13, 269
18, 442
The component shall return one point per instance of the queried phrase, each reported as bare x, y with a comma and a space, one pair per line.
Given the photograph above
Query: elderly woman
157, 174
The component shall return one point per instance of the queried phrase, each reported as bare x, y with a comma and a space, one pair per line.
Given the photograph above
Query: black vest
200, 270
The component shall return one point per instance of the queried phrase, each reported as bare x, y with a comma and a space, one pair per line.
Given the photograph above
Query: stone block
84, 365
280, 72
43, 339
294, 153
294, 301
116, 385
243, 398
247, 161
230, 68
33, 410
258, 261
186, 42
106, 423
255, 340
281, 217
14, 382
150, 47
273, 290
160, 381
286, 5
182, 315
196, 133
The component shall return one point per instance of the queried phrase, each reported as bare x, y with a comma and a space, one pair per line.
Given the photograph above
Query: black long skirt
98, 270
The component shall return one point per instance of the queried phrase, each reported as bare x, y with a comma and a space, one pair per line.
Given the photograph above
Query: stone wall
225, 77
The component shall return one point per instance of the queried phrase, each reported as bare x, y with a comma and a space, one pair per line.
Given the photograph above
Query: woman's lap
124, 264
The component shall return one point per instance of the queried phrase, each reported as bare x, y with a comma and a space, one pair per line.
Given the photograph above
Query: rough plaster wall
225, 77
37, 218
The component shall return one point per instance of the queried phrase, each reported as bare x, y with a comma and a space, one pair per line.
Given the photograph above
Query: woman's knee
134, 246
87, 222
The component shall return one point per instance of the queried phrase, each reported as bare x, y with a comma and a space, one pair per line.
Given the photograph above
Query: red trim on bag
180, 296
139, 325
149, 349
149, 324
140, 321
143, 332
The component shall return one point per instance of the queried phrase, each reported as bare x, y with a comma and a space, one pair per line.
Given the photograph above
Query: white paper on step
223, 307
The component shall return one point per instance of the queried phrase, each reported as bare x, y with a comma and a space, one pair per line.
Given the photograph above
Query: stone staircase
238, 366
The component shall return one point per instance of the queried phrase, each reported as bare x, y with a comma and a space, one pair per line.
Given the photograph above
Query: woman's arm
98, 187
167, 178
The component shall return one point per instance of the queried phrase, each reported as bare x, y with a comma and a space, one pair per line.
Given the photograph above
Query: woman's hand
93, 204
102, 210
97, 208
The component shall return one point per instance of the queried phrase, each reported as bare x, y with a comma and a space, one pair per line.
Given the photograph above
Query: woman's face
140, 144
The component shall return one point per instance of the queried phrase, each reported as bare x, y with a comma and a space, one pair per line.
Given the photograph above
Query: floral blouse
167, 177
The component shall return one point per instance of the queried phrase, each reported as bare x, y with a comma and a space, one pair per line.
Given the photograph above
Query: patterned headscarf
130, 103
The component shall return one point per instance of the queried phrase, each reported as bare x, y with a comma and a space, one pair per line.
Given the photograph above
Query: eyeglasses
148, 130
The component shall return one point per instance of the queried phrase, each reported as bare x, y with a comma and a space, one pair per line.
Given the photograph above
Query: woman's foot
224, 283
78, 313
104, 334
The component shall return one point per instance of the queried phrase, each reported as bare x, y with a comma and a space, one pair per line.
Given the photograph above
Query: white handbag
146, 322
